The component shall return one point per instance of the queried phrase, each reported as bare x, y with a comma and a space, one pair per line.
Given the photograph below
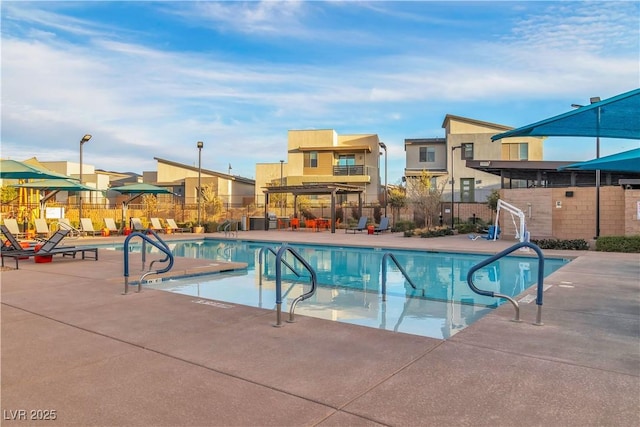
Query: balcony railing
348, 170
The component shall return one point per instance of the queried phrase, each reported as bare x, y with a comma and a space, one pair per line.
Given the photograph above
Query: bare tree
424, 194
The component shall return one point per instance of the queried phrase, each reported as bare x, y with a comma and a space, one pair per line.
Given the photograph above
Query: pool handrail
261, 257
515, 304
161, 245
314, 281
384, 273
226, 227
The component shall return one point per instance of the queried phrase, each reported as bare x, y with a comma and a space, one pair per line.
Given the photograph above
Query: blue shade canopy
617, 117
627, 161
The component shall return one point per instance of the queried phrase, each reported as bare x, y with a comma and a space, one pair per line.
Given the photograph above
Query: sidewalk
71, 343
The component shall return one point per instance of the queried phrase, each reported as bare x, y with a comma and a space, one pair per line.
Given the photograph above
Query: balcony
351, 170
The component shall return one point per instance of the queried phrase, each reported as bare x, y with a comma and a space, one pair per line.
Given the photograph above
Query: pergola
311, 189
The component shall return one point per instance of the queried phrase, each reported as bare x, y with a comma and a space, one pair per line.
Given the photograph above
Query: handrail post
162, 246
384, 274
491, 294
314, 281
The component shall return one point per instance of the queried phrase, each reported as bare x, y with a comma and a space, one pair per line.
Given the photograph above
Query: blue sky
150, 79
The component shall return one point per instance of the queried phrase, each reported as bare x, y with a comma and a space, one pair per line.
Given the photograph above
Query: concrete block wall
536, 205
631, 212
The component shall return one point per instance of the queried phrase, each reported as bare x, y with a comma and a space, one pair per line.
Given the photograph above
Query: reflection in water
350, 279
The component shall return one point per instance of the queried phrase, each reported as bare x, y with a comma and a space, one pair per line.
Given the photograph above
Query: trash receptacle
370, 229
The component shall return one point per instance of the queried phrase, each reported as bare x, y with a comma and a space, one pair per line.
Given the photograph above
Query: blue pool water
349, 280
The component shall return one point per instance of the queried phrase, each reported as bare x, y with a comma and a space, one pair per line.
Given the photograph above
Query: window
311, 159
518, 151
427, 154
467, 150
347, 160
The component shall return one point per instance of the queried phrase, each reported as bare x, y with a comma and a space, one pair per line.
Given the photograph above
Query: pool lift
521, 230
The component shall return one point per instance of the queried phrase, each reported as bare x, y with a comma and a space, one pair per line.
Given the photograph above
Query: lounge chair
362, 225
384, 226
49, 248
174, 227
42, 228
65, 224
12, 243
12, 226
156, 225
86, 227
136, 224
110, 225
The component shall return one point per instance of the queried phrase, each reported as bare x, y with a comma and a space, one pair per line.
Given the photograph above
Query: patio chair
65, 224
42, 228
86, 226
12, 226
384, 226
49, 248
362, 225
174, 227
12, 243
110, 225
156, 225
136, 224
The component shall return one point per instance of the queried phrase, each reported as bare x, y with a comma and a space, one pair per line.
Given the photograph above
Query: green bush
404, 225
437, 232
408, 233
629, 244
575, 245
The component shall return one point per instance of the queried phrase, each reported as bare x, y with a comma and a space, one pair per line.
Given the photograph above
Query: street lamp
199, 145
453, 189
84, 139
281, 184
384, 147
593, 100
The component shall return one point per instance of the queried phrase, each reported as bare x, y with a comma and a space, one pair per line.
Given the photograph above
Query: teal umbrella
136, 190
54, 186
13, 169
627, 161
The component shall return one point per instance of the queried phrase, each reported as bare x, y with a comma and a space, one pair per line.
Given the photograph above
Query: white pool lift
521, 230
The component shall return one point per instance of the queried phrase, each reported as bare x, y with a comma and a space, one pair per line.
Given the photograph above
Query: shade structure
13, 169
616, 117
626, 161
54, 186
136, 190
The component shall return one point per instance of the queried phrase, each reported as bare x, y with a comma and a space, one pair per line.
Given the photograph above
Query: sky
150, 79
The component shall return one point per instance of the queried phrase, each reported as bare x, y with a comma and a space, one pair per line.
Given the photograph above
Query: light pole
84, 139
199, 145
281, 184
593, 100
384, 147
453, 188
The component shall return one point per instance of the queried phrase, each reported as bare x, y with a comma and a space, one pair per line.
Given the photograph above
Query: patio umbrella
53, 185
626, 161
13, 169
136, 190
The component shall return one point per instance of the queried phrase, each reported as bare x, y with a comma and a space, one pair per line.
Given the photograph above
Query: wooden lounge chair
42, 228
156, 225
362, 225
384, 226
12, 226
86, 227
110, 225
174, 227
49, 248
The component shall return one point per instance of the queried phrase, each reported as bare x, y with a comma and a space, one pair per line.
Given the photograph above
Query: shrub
408, 233
436, 232
575, 245
629, 244
403, 225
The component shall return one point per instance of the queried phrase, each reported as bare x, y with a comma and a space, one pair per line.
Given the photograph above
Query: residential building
90, 177
325, 157
466, 139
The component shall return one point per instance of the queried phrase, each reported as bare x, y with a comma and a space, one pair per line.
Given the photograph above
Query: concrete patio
75, 348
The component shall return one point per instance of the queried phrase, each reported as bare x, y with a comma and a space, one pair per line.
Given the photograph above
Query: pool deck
73, 344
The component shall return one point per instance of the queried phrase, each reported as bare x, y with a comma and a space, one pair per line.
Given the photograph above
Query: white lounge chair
156, 225
86, 226
12, 226
171, 223
110, 225
42, 228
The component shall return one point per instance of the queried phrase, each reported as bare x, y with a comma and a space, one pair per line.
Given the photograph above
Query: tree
425, 196
492, 200
397, 199
212, 203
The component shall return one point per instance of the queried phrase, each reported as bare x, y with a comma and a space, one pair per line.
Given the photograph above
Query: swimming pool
349, 283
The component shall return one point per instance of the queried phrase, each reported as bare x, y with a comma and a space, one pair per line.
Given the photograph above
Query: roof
208, 171
473, 121
314, 189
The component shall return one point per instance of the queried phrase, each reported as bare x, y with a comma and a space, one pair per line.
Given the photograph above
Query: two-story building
325, 157
466, 139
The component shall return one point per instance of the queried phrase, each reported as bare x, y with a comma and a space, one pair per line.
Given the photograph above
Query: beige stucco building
325, 157
466, 139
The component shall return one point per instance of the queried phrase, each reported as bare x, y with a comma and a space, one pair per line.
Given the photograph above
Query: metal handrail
261, 256
492, 294
384, 274
314, 282
160, 244
226, 227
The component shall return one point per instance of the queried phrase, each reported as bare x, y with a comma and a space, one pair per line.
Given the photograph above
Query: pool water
349, 283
